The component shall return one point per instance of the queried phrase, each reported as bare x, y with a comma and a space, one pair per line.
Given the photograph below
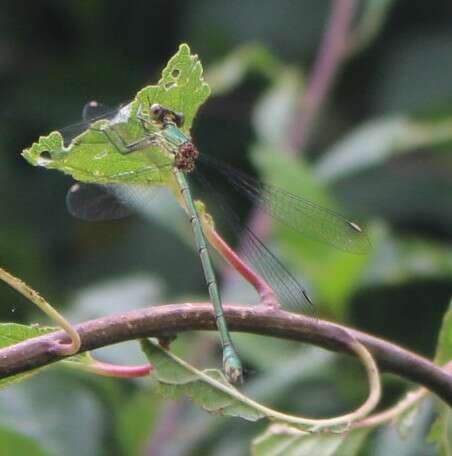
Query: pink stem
260, 285
331, 54
114, 370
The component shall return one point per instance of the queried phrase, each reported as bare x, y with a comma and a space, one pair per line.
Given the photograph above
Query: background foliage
380, 150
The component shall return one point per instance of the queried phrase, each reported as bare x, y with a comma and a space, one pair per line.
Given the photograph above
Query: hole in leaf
45, 157
170, 85
175, 73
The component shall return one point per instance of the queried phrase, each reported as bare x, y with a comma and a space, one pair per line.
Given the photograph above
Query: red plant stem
261, 286
114, 370
331, 55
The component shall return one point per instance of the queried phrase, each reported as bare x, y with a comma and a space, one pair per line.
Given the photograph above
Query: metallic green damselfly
161, 127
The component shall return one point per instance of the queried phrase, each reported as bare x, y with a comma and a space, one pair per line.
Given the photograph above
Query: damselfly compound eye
155, 110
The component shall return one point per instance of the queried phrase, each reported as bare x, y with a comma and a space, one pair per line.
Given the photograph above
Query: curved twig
307, 424
175, 318
390, 414
33, 296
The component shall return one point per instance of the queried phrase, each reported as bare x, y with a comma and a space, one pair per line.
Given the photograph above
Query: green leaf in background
406, 421
444, 346
13, 333
389, 440
136, 419
13, 443
441, 430
91, 157
400, 260
369, 25
274, 113
282, 440
376, 141
230, 71
175, 378
58, 411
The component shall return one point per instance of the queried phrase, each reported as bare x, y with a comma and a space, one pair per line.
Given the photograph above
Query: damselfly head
160, 114
156, 111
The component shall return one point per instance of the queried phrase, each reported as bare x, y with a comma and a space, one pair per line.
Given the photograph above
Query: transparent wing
116, 127
96, 203
92, 112
300, 214
287, 288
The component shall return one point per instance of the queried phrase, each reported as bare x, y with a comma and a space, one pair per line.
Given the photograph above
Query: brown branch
175, 318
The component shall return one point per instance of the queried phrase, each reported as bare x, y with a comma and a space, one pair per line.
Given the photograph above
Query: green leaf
369, 24
274, 112
444, 346
181, 87
136, 419
406, 421
94, 155
401, 260
91, 157
14, 443
390, 440
377, 141
231, 70
283, 440
441, 430
13, 333
209, 389
58, 411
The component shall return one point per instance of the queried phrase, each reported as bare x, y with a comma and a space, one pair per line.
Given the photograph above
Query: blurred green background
379, 151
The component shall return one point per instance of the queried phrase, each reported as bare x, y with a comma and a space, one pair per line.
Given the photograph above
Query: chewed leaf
209, 389
44, 152
181, 87
92, 158
96, 154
